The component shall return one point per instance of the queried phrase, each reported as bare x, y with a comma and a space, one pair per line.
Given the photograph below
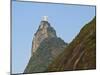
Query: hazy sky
67, 20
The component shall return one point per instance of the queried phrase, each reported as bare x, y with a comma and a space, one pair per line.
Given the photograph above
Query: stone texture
80, 54
44, 31
46, 46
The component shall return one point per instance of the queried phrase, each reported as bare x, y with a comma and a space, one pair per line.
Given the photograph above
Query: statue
45, 18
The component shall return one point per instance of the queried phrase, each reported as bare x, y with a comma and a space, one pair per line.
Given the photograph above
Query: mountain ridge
53, 54
45, 47
80, 54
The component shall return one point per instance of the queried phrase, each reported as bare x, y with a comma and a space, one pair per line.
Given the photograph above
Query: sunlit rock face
44, 31
46, 46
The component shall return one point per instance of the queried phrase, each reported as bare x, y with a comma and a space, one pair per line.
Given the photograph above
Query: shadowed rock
45, 47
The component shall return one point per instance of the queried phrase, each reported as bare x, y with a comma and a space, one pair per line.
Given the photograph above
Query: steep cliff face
44, 31
80, 53
45, 47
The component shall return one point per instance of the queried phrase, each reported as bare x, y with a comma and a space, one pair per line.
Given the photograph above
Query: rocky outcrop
44, 31
45, 47
50, 53
80, 54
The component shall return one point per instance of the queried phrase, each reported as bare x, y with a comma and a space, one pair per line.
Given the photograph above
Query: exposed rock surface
45, 47
80, 53
44, 31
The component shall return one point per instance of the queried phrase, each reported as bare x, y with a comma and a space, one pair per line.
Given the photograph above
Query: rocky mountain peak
45, 47
44, 31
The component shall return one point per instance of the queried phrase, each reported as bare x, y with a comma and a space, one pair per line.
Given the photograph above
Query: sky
66, 19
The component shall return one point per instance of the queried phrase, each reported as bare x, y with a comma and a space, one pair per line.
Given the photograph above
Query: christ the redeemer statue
45, 18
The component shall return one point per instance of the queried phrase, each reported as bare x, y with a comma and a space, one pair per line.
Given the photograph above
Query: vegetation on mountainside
80, 53
47, 51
